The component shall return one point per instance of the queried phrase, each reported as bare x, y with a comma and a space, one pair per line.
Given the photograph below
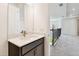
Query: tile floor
66, 45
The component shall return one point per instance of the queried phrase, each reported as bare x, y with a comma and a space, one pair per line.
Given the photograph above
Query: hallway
66, 45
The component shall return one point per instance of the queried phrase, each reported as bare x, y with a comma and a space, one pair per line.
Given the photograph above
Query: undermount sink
28, 36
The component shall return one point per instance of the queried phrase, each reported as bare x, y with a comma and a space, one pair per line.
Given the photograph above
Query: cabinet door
31, 53
39, 51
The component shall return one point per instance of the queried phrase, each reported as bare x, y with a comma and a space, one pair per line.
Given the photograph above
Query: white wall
3, 30
69, 23
56, 11
67, 9
72, 9
69, 26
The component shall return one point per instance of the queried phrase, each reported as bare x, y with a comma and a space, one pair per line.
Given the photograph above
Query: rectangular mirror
15, 19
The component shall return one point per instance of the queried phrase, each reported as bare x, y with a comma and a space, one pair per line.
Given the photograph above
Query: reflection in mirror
15, 19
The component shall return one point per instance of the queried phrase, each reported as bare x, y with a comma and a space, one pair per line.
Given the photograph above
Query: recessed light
73, 9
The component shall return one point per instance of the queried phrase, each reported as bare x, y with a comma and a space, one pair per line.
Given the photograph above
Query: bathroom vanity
31, 45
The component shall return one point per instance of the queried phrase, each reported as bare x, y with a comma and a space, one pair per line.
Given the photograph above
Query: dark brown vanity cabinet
38, 51
35, 48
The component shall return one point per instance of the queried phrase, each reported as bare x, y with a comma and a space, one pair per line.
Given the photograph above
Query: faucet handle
22, 31
25, 32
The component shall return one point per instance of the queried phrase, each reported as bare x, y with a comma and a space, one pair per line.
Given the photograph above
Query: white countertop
21, 41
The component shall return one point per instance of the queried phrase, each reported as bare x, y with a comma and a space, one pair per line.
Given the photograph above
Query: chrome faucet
23, 33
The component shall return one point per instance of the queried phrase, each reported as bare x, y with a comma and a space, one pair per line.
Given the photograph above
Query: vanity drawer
32, 45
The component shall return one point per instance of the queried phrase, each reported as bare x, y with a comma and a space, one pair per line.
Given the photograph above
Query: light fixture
73, 9
61, 4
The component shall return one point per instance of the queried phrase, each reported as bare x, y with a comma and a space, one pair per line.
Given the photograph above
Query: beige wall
37, 21
41, 21
3, 29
